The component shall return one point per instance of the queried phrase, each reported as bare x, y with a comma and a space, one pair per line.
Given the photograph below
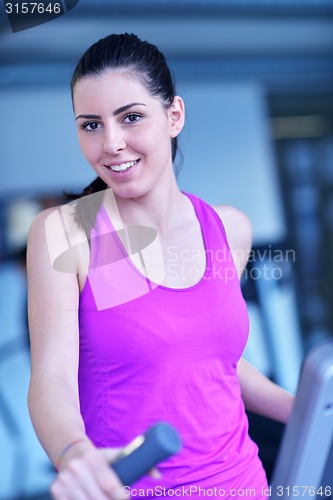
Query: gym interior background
257, 79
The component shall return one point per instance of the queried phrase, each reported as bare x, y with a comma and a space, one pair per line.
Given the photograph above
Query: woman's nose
114, 140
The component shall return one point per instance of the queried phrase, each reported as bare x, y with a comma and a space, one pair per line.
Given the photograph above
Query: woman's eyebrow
115, 113
88, 117
127, 106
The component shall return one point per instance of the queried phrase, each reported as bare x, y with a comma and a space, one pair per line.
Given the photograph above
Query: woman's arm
53, 392
53, 326
260, 394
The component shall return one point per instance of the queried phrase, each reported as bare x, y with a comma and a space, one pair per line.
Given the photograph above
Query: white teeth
123, 166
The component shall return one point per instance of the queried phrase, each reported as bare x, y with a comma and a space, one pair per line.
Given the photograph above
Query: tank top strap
218, 253
212, 227
103, 241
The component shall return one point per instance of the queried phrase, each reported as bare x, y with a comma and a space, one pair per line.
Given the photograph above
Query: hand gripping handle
147, 450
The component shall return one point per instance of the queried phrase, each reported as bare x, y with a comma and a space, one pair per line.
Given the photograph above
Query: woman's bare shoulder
234, 220
57, 217
53, 232
238, 228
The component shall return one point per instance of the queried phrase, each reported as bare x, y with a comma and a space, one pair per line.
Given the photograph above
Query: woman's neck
160, 208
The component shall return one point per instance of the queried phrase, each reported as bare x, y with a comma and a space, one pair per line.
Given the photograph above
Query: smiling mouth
123, 166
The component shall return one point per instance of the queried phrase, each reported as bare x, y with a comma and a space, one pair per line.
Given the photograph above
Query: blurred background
257, 80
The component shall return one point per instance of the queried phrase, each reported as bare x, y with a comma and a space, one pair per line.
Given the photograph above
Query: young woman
135, 307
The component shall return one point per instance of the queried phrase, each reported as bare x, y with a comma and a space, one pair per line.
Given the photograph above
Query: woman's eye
90, 126
132, 118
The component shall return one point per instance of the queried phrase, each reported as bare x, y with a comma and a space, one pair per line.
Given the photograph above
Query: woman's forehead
110, 80
115, 87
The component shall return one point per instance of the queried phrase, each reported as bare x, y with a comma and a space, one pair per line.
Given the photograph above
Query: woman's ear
176, 114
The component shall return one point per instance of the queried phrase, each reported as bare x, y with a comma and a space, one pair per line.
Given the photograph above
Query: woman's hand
89, 477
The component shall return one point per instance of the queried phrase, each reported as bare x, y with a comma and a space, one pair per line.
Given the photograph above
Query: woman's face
124, 132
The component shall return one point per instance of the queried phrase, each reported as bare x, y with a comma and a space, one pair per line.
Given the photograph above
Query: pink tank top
169, 355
